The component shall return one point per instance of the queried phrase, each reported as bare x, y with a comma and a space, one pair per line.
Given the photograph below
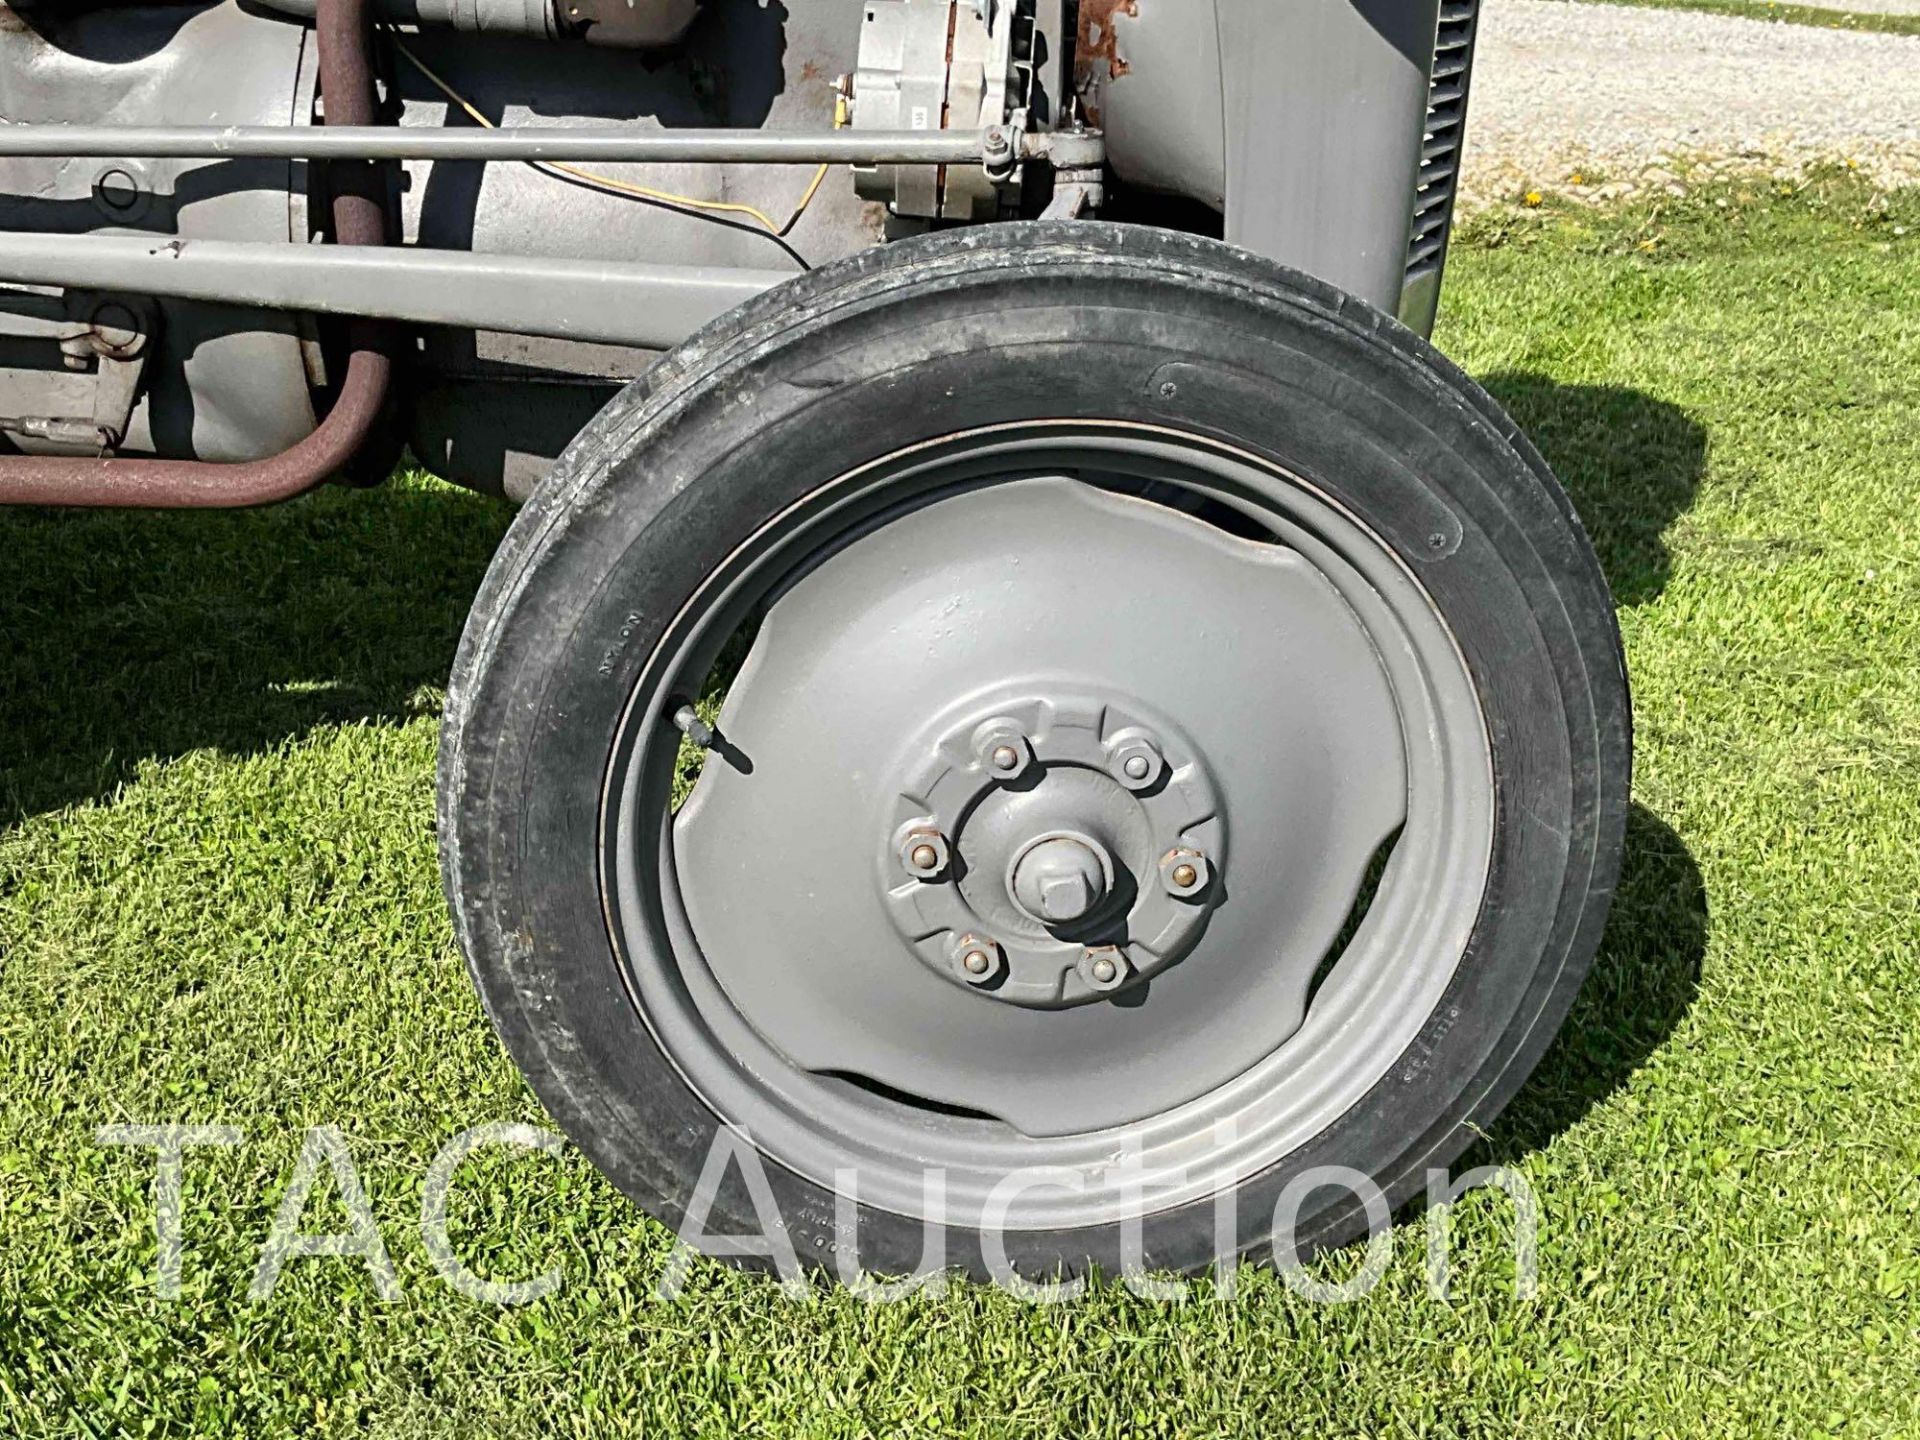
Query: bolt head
1061, 878
1105, 968
979, 960
1185, 873
1001, 746
1068, 897
1137, 762
925, 854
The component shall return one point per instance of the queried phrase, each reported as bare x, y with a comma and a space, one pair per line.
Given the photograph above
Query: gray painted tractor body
1319, 133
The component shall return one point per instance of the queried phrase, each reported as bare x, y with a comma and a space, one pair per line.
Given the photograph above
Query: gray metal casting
493, 409
496, 17
358, 201
1301, 770
220, 381
610, 301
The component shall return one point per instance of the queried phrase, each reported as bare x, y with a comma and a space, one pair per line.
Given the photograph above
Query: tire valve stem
688, 722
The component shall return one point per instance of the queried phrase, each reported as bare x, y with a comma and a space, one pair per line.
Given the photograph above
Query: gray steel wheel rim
1387, 983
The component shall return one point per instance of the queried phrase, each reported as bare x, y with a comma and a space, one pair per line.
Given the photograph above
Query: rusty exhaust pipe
344, 30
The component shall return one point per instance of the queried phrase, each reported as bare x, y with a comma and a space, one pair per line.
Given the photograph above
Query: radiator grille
1440, 151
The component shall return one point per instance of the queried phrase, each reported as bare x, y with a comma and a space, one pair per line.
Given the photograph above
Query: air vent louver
1440, 158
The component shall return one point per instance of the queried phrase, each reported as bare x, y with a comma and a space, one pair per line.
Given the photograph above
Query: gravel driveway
1874, 7
1651, 97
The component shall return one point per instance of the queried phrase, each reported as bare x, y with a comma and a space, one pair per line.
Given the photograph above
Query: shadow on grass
1631, 463
136, 636
146, 636
1643, 982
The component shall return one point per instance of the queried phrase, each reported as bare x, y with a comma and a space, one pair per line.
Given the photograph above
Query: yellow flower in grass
1534, 197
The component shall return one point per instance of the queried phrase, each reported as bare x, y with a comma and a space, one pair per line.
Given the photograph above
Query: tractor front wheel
1170, 715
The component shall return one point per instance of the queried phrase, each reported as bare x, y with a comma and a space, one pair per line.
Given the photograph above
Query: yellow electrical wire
643, 192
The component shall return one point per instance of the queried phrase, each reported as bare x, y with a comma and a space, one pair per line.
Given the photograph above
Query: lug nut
925, 854
1001, 746
980, 960
1185, 873
1104, 968
1137, 762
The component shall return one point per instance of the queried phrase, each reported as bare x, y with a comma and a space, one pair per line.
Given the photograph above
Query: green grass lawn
219, 904
1829, 17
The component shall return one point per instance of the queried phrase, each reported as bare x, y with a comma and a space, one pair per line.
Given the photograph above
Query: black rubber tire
988, 326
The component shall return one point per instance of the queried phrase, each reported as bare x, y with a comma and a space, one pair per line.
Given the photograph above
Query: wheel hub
1058, 858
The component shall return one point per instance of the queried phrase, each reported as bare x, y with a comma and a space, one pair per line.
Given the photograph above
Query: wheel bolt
1136, 761
1185, 873
980, 960
924, 854
1001, 746
1104, 968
